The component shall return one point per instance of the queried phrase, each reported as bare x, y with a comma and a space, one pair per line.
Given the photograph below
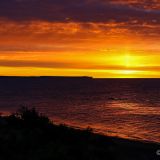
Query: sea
126, 108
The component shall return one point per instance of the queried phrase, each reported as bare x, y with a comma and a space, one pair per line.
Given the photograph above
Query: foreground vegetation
28, 135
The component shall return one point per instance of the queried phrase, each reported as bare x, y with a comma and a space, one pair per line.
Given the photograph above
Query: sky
98, 38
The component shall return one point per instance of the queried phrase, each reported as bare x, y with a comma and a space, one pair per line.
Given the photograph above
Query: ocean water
128, 108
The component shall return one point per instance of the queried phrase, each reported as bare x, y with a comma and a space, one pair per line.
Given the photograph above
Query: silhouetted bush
25, 117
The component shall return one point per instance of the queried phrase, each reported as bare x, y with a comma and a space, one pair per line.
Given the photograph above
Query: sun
127, 63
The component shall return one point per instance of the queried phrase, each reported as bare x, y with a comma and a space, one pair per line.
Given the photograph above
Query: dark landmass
46, 77
28, 135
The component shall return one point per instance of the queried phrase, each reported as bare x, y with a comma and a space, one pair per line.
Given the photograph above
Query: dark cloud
75, 10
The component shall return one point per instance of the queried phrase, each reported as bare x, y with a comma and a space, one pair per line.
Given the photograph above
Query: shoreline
29, 135
94, 130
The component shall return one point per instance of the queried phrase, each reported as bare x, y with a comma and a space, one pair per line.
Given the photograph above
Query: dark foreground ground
28, 135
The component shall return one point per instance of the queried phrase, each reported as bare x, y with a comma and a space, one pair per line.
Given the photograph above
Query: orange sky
114, 48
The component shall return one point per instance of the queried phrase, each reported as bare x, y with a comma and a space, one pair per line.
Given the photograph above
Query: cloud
147, 4
75, 10
38, 64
